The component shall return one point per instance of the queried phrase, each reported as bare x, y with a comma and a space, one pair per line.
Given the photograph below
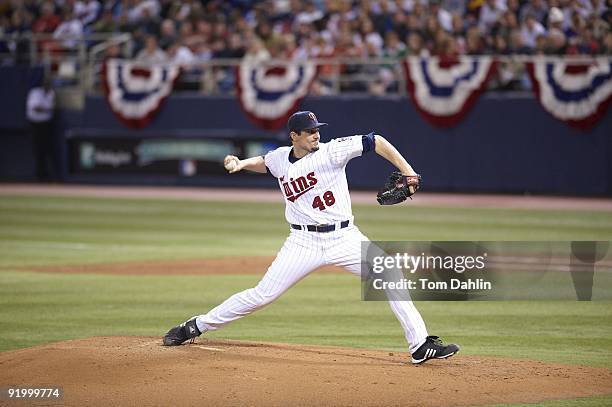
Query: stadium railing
76, 63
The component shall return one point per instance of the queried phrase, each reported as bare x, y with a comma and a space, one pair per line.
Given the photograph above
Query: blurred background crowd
192, 31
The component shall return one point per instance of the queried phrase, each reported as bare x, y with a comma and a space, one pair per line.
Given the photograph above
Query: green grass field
325, 309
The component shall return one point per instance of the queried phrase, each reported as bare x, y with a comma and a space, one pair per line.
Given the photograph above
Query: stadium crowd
200, 29
191, 31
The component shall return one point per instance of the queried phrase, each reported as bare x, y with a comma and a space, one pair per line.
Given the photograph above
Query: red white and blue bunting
134, 92
269, 94
578, 94
445, 90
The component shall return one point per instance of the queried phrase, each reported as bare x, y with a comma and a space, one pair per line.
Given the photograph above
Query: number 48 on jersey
322, 204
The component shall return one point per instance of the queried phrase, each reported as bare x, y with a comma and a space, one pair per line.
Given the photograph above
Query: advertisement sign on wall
159, 155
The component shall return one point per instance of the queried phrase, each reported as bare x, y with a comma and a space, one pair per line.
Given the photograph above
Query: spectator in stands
40, 108
203, 52
490, 12
512, 74
606, 48
474, 43
514, 7
167, 33
46, 24
555, 23
536, 9
264, 30
191, 39
220, 31
430, 32
382, 16
415, 45
399, 23
531, 30
413, 24
309, 14
598, 7
106, 24
181, 11
181, 55
290, 44
458, 33
48, 21
150, 21
500, 45
18, 25
370, 75
556, 42
541, 45
587, 43
444, 17
143, 10
394, 48
517, 45
455, 7
233, 48
576, 25
113, 51
607, 14
124, 23
372, 39
347, 47
70, 32
256, 52
505, 25
318, 28
599, 27
20, 22
576, 6
87, 11
151, 53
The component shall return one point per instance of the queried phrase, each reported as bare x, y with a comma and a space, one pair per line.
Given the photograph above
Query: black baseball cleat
179, 334
433, 348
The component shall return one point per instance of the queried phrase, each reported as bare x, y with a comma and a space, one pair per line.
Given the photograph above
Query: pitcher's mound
121, 371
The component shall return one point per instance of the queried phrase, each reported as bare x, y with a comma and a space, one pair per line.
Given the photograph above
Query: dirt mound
123, 371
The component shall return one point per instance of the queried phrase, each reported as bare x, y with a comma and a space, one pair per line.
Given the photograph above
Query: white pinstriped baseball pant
302, 253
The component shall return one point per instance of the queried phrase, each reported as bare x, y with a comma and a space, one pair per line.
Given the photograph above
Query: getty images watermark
486, 270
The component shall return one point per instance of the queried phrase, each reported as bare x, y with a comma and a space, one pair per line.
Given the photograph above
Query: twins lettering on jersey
294, 188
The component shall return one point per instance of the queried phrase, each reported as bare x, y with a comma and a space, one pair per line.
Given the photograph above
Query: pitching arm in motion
234, 164
387, 151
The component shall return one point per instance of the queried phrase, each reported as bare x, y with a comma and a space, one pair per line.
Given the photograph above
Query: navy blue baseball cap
303, 121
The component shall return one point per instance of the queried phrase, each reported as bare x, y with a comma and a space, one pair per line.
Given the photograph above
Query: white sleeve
341, 150
272, 161
30, 104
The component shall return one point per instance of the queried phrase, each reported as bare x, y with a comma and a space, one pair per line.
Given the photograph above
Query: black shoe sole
435, 357
171, 342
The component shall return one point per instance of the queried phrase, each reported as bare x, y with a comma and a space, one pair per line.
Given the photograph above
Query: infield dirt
138, 371
122, 371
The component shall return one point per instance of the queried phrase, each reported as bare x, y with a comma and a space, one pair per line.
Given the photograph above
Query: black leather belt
321, 228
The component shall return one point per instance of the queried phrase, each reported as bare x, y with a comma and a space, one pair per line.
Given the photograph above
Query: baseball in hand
231, 163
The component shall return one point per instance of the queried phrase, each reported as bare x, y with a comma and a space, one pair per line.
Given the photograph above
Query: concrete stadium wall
506, 144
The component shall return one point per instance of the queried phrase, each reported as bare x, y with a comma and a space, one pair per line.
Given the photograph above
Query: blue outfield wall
505, 144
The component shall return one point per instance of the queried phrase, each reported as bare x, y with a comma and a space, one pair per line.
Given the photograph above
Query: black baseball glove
398, 188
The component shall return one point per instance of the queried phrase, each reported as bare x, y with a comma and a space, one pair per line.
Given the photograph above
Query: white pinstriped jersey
316, 193
315, 187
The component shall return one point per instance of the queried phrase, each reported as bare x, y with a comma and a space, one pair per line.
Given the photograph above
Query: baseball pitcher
311, 176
